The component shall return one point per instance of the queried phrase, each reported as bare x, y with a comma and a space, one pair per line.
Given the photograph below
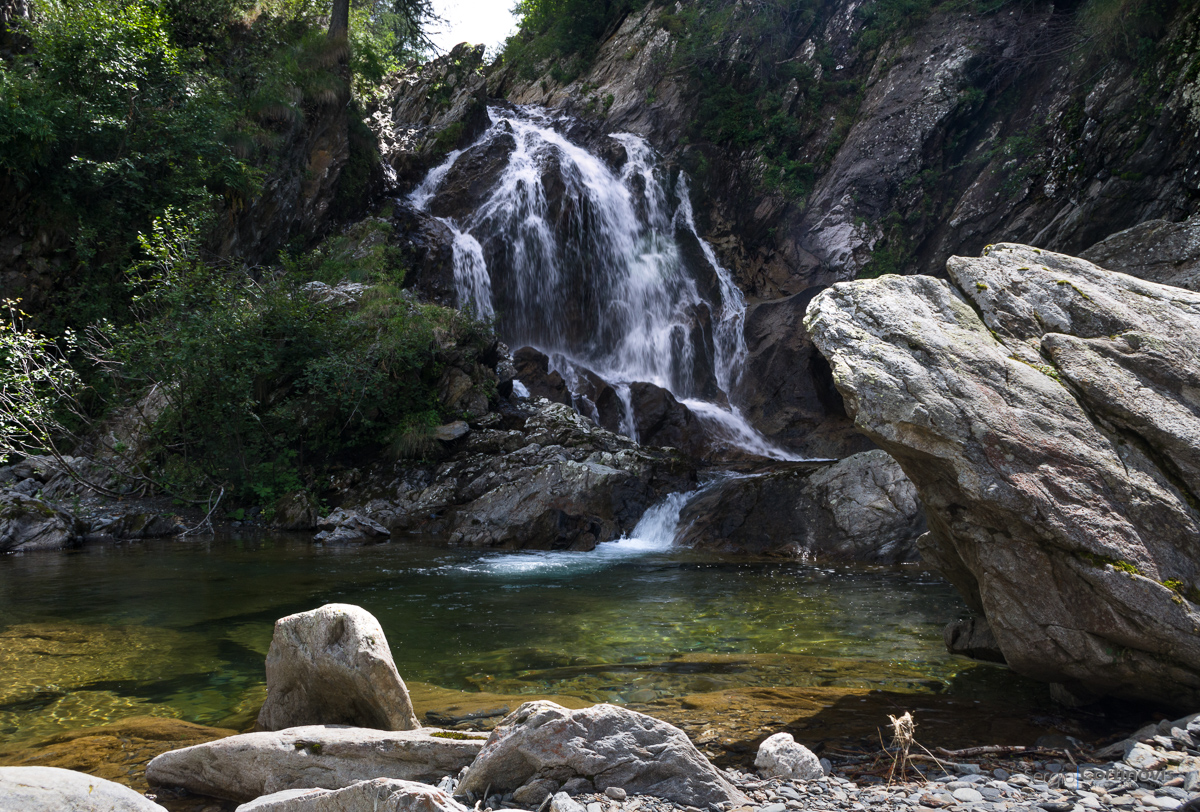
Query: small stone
774, 808
562, 802
595, 806
616, 793
967, 795
1057, 806
1141, 757
826, 766
1002, 775
451, 431
1163, 803
781, 756
1191, 781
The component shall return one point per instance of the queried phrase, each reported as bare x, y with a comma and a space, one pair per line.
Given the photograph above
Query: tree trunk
339, 20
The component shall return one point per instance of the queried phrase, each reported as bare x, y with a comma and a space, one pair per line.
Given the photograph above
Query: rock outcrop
241, 768
31, 524
549, 480
1156, 250
333, 666
378, 795
861, 509
50, 789
428, 110
1046, 411
608, 745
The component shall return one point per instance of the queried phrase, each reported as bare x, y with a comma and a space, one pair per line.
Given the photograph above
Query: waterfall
591, 265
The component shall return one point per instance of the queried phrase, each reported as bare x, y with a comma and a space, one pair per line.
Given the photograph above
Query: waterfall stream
601, 269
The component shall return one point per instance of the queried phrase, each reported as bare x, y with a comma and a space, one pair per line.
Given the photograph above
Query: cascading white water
586, 264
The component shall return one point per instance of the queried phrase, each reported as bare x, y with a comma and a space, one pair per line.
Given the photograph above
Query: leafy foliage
566, 33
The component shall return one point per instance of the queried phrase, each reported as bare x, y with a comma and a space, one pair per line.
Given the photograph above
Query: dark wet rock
136, 524
333, 666
27, 524
973, 638
472, 176
1045, 409
786, 390
860, 509
661, 420
1156, 250
608, 745
296, 511
554, 480
532, 368
247, 766
425, 245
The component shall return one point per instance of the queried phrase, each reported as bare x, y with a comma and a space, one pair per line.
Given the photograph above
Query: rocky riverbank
330, 670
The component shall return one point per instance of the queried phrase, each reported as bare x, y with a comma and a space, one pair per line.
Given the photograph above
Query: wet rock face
333, 666
786, 389
661, 420
608, 745
533, 369
860, 509
529, 477
1053, 443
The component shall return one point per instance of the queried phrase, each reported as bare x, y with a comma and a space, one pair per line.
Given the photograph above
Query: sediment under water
181, 628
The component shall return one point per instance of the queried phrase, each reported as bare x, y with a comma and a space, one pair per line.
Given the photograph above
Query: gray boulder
350, 527
1156, 250
861, 509
50, 789
27, 523
781, 756
1046, 411
326, 756
377, 795
333, 666
611, 746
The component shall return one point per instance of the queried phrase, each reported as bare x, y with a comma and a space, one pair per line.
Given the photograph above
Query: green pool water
181, 628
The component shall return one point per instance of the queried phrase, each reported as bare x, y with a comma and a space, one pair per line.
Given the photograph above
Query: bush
267, 385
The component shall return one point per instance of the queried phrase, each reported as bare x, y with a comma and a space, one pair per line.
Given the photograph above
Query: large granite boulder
610, 746
861, 509
50, 789
27, 523
333, 666
1047, 412
243, 767
378, 795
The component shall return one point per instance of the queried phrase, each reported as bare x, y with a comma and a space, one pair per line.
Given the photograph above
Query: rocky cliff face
1046, 411
958, 130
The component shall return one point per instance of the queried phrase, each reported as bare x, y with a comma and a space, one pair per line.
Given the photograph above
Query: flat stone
244, 767
451, 431
376, 795
967, 795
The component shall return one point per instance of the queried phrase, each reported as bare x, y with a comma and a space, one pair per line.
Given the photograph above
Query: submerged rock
27, 523
50, 789
333, 666
862, 508
327, 756
609, 745
1055, 444
378, 795
781, 756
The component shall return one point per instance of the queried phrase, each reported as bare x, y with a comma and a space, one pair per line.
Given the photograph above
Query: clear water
180, 628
